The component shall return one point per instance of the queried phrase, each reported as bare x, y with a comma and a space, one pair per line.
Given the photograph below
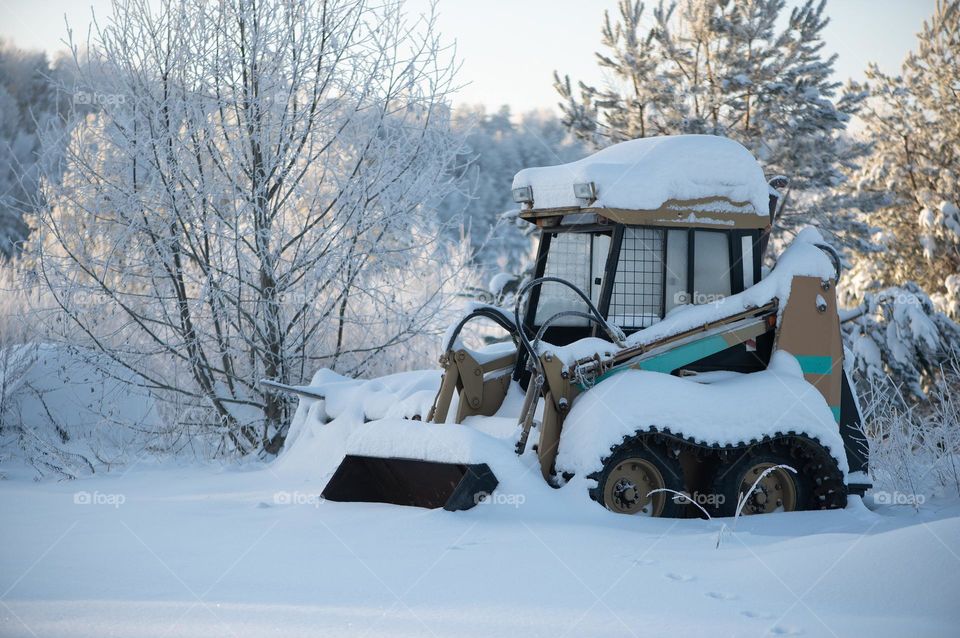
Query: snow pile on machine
320, 427
649, 173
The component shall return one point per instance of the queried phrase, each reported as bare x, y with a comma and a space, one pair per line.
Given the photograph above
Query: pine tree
725, 67
911, 181
900, 344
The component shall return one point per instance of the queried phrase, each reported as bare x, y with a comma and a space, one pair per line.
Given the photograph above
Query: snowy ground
193, 551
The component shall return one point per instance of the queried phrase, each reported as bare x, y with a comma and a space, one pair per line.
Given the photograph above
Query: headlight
523, 195
587, 190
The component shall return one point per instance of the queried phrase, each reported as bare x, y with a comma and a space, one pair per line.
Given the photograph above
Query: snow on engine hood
733, 410
646, 173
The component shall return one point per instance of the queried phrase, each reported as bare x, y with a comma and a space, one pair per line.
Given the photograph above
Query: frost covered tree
899, 342
497, 145
910, 183
734, 68
249, 199
909, 193
29, 102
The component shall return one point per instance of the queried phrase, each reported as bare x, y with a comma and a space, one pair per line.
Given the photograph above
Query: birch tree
251, 198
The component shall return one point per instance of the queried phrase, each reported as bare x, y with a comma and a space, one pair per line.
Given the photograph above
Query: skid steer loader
649, 332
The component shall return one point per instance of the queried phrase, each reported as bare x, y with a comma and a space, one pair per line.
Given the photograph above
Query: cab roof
680, 180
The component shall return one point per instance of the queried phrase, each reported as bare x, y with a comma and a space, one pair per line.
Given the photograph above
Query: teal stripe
836, 412
675, 358
682, 355
811, 364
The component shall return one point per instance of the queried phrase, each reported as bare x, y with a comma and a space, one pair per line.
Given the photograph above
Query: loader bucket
452, 486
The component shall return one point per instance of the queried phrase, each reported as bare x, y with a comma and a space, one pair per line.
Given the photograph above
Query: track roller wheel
780, 490
634, 471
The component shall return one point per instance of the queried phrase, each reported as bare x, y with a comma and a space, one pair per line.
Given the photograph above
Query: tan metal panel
706, 212
481, 393
813, 335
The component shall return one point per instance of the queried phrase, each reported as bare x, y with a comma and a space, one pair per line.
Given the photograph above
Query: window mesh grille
637, 299
569, 258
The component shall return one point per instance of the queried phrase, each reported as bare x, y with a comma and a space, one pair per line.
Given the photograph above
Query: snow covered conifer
728, 68
910, 183
900, 337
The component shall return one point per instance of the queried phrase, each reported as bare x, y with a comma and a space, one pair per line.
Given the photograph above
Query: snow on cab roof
690, 175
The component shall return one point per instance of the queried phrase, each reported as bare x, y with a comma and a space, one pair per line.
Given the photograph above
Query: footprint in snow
761, 615
644, 561
682, 578
786, 631
719, 595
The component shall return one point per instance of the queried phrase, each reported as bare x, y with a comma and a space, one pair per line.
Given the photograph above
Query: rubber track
830, 490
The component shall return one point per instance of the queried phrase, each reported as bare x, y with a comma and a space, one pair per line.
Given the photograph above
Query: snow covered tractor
656, 360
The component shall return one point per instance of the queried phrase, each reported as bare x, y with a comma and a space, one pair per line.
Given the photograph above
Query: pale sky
510, 48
